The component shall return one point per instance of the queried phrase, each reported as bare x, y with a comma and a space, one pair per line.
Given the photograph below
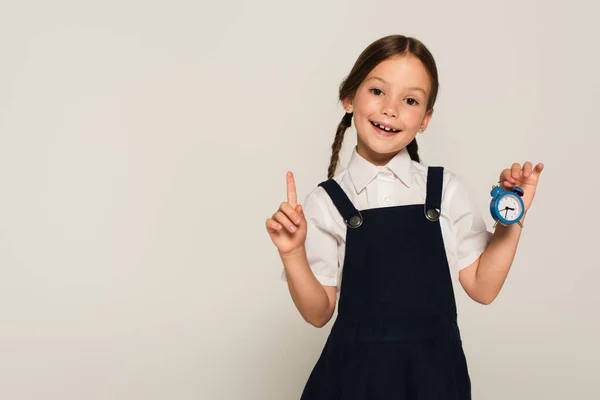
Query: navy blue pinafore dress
396, 334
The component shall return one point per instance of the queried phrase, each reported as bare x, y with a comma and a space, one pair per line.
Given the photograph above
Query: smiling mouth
384, 128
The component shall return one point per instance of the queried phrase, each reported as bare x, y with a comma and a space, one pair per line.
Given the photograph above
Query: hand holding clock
526, 177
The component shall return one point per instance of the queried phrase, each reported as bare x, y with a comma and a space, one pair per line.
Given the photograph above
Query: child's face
394, 94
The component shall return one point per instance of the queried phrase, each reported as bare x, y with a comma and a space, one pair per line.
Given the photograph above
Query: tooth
387, 129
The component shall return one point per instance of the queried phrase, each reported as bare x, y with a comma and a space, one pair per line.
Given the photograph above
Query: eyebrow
410, 88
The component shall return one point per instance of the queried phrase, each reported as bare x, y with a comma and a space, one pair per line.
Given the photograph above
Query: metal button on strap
355, 221
432, 214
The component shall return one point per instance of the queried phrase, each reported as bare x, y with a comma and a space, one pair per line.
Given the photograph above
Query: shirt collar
362, 172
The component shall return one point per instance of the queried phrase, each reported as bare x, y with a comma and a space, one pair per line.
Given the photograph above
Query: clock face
509, 207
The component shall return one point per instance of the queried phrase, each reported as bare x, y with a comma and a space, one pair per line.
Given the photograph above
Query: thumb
300, 212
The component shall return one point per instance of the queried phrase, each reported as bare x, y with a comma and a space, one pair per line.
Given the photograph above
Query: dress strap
433, 202
352, 217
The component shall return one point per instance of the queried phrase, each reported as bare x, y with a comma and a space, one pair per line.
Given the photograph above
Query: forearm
308, 294
496, 260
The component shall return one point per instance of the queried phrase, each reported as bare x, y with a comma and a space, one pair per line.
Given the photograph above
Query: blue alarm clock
506, 206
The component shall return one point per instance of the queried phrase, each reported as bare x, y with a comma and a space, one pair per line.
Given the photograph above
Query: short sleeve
470, 236
321, 241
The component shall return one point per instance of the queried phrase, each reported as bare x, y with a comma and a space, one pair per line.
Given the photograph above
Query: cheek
368, 104
413, 115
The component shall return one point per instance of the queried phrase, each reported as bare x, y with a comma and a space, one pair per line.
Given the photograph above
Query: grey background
144, 143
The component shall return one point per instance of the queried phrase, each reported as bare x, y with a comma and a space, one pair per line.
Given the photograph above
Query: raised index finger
291, 189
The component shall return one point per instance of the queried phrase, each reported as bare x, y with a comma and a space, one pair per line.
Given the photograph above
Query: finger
538, 169
505, 177
284, 221
290, 212
527, 168
515, 171
273, 226
291, 189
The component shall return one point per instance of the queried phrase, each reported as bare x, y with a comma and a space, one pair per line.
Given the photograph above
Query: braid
413, 148
337, 144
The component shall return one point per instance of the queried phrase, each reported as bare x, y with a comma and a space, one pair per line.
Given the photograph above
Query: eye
376, 91
412, 102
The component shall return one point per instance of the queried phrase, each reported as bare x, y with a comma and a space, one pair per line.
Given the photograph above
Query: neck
373, 157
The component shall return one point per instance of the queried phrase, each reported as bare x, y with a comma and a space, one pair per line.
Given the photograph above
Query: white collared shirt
401, 182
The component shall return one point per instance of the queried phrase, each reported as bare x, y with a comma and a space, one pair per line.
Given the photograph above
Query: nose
390, 109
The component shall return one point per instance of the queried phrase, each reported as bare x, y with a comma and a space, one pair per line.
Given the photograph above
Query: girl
382, 234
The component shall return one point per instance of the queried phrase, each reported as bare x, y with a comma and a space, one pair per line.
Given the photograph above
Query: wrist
293, 255
520, 223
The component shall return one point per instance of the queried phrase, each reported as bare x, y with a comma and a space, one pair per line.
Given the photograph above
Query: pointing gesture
287, 227
291, 190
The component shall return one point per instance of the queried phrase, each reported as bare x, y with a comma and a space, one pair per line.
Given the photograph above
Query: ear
426, 120
347, 102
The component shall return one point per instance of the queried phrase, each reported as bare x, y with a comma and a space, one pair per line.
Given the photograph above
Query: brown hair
378, 51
